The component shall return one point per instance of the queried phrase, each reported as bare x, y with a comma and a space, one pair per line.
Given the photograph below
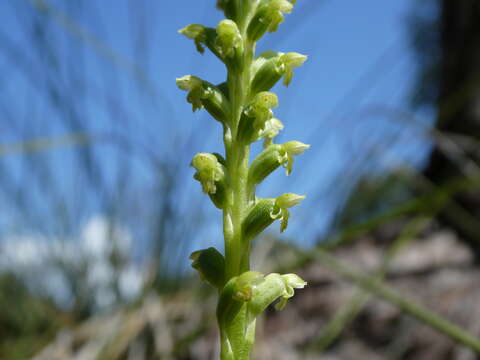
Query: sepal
202, 36
210, 265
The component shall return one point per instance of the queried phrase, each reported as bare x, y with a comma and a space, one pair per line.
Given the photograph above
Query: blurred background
99, 210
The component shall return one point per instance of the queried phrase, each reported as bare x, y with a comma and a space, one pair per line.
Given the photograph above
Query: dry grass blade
45, 144
376, 288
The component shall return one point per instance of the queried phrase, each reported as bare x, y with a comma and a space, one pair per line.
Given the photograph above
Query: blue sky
360, 70
359, 59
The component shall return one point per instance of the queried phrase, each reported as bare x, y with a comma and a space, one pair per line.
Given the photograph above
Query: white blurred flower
46, 265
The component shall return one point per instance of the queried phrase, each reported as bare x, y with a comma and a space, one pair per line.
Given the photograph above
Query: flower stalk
244, 107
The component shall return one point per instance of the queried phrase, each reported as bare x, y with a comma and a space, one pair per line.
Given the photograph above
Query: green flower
293, 148
202, 94
270, 66
271, 129
274, 286
196, 91
270, 14
289, 61
255, 116
197, 33
282, 204
209, 171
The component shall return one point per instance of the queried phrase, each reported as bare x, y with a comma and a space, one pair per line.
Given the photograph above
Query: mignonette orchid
244, 106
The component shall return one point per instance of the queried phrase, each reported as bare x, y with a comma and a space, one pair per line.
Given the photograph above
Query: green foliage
374, 196
27, 322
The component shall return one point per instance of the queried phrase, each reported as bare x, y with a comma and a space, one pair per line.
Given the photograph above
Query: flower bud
228, 38
268, 16
282, 204
254, 117
210, 265
203, 94
265, 163
209, 171
259, 218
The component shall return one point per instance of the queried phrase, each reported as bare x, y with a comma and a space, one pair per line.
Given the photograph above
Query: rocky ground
436, 271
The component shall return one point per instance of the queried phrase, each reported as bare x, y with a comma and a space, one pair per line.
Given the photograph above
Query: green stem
245, 110
237, 164
237, 337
